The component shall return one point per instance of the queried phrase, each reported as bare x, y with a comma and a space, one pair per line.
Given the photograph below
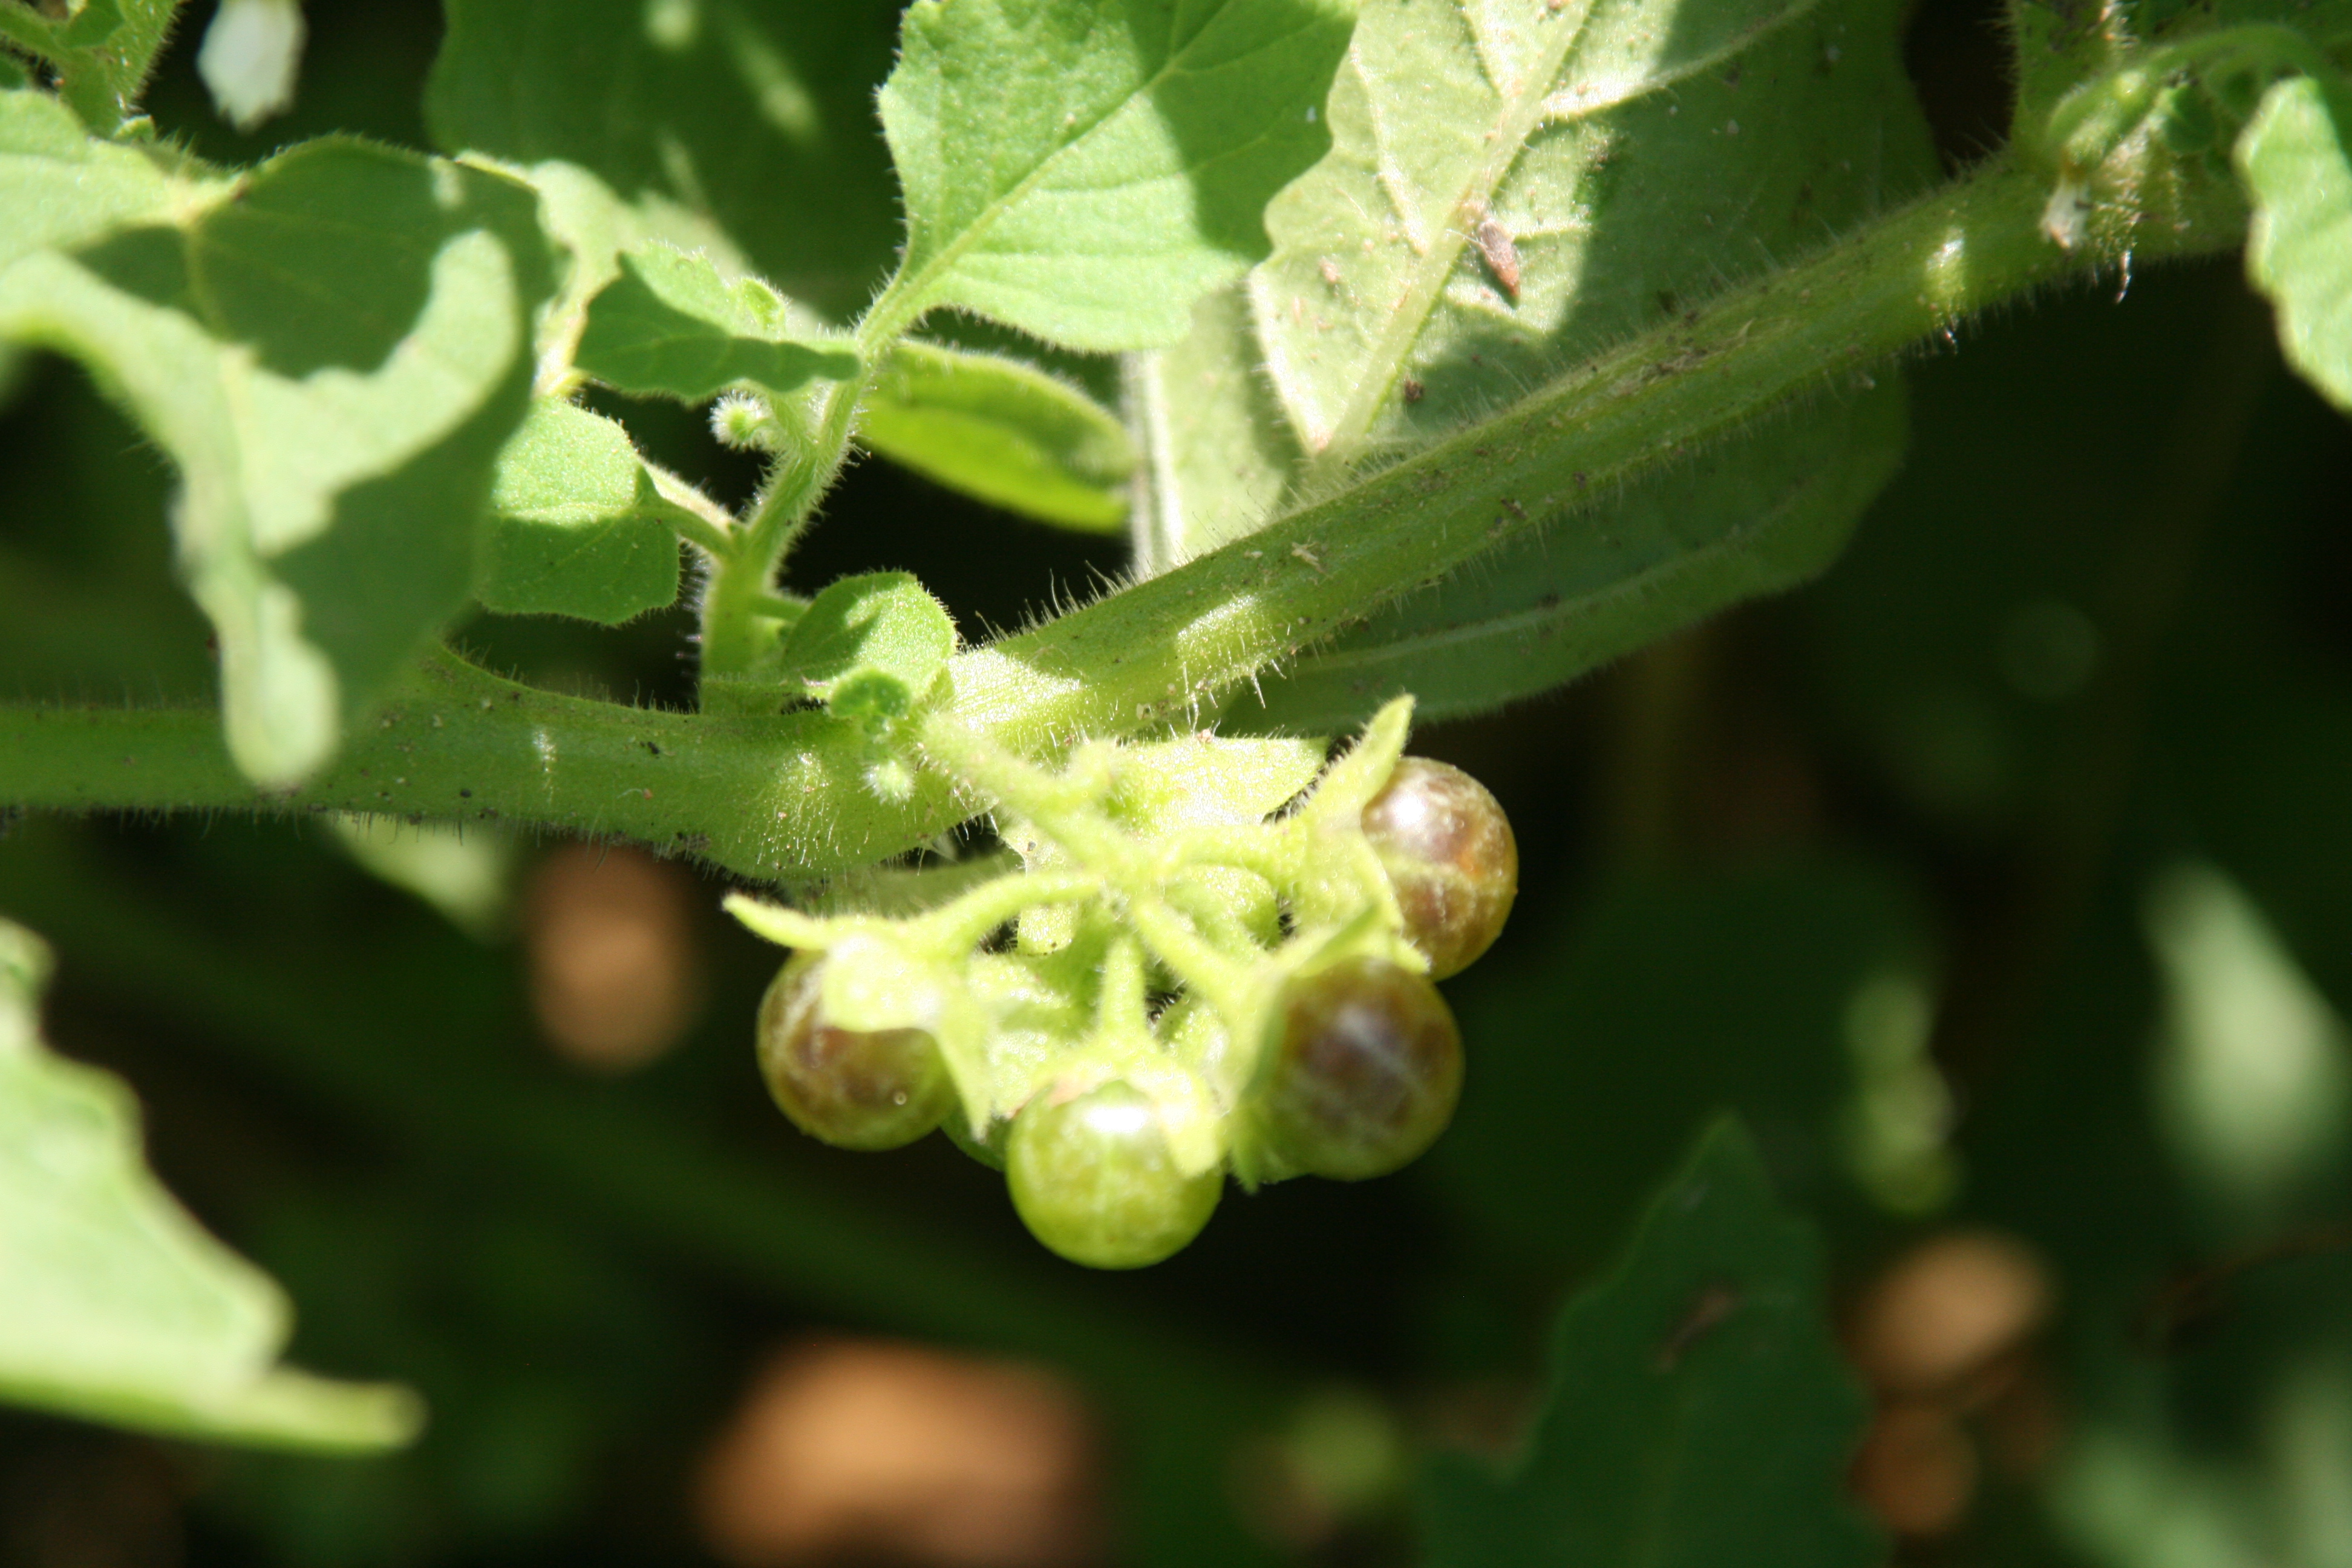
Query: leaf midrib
1430, 269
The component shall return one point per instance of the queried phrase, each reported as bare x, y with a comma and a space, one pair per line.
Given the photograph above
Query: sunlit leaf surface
1086, 171
121, 1308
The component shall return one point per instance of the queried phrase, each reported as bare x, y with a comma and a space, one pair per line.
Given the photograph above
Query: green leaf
1757, 516
122, 1309
1512, 187
754, 116
61, 189
1003, 431
594, 225
871, 648
577, 525
670, 326
2297, 170
1085, 172
1699, 1414
334, 360
1219, 451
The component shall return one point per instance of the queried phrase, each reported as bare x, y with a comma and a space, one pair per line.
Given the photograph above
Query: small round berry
1364, 1072
1448, 850
1093, 1178
854, 1089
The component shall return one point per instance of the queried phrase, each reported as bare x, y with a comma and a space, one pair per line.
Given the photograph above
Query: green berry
1364, 1073
1093, 1178
854, 1089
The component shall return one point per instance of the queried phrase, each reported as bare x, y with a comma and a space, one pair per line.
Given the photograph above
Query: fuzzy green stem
700, 520
1224, 983
786, 796
1169, 648
964, 923
736, 629
456, 742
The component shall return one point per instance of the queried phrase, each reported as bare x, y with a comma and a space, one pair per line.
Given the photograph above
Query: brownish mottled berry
1448, 850
854, 1089
1364, 1073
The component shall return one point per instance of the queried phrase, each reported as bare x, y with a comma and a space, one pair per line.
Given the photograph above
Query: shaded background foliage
1895, 844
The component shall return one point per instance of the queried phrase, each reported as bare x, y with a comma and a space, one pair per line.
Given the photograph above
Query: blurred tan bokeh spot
865, 1451
1943, 1336
615, 979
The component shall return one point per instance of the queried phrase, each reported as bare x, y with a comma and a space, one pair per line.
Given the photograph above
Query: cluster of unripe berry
1200, 967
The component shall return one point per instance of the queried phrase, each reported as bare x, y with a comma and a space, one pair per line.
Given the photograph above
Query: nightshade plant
1430, 352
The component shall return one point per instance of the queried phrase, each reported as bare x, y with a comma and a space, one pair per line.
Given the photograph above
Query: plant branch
700, 520
1169, 646
746, 792
781, 796
735, 626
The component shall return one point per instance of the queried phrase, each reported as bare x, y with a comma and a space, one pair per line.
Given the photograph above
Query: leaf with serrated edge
1085, 172
671, 326
577, 525
1698, 1413
2296, 159
331, 489
1512, 185
121, 1308
1003, 431
1755, 516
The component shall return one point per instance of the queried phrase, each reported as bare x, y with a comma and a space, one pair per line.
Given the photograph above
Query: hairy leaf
751, 114
334, 360
60, 189
1699, 1414
671, 326
121, 1308
1753, 517
1511, 187
1219, 451
871, 646
1003, 431
594, 226
2297, 162
1085, 171
577, 525
1510, 190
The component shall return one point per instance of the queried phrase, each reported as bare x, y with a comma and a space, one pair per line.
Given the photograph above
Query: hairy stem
750, 793
783, 796
736, 628
1166, 647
